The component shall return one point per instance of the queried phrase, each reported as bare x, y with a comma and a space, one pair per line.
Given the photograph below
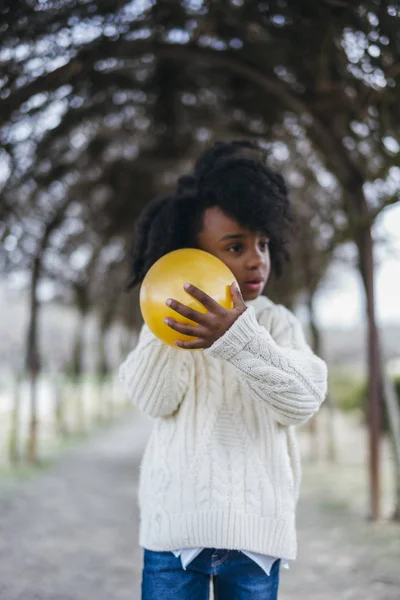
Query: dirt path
70, 533
341, 556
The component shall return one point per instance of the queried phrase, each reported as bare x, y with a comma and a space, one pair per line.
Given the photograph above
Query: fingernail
166, 321
168, 302
186, 286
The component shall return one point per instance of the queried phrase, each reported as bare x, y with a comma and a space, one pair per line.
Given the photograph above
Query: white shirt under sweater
265, 562
221, 468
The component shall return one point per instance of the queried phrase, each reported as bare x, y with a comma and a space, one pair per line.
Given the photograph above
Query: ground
70, 532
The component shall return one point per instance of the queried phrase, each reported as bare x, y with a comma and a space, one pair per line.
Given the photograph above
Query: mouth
254, 285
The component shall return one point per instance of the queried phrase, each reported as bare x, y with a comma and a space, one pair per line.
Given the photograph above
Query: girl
220, 475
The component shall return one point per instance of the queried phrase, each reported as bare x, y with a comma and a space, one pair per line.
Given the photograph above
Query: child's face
244, 252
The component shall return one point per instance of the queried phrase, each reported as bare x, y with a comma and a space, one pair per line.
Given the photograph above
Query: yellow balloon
166, 278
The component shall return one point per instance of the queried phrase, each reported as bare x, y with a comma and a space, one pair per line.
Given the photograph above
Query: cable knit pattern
288, 377
221, 468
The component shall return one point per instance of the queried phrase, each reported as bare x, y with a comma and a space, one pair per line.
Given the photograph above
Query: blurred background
103, 105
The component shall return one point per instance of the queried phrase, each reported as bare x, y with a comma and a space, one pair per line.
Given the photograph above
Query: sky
341, 300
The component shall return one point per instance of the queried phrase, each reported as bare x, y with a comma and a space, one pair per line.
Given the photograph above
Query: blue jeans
234, 575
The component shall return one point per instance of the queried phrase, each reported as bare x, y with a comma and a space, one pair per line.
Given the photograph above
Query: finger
237, 297
191, 345
185, 311
209, 303
192, 330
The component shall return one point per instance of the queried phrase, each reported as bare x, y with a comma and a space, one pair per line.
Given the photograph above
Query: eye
264, 244
235, 248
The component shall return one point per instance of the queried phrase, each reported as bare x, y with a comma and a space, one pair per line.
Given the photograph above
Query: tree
131, 91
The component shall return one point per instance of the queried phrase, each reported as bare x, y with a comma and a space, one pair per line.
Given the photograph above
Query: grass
348, 389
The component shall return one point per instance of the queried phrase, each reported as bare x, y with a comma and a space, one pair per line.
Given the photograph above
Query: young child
220, 475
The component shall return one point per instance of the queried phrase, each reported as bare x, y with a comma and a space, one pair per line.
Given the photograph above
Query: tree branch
189, 53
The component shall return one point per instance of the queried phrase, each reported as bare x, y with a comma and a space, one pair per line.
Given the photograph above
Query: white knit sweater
221, 468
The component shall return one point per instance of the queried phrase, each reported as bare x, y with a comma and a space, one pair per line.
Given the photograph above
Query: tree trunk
316, 346
103, 368
315, 333
331, 453
77, 353
33, 363
77, 363
393, 413
59, 416
363, 238
14, 440
32, 346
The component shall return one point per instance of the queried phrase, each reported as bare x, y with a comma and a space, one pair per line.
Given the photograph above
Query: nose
256, 258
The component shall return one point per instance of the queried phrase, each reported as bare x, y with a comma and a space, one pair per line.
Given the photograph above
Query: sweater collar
259, 303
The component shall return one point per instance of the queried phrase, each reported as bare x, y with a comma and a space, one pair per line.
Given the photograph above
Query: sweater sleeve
155, 376
282, 372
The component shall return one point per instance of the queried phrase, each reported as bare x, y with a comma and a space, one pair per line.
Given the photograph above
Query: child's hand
212, 324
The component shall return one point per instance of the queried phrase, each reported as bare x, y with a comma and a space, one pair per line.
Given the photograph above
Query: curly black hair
232, 176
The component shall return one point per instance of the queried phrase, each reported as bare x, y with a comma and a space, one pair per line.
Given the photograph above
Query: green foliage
396, 382
348, 390
350, 393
